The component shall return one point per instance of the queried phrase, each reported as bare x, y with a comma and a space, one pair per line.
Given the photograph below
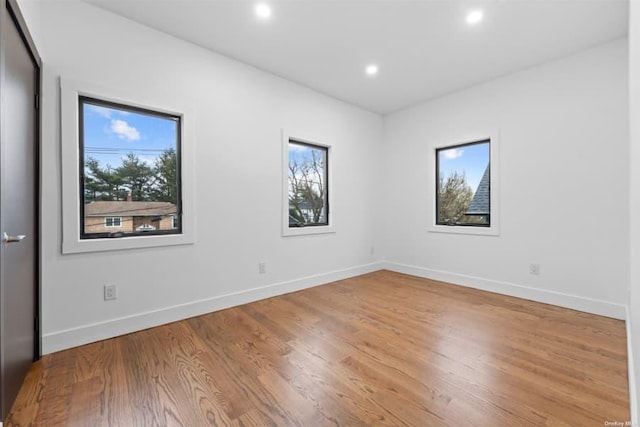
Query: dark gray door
18, 209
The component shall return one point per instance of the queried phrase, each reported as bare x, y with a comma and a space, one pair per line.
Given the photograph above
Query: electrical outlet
110, 292
262, 267
534, 269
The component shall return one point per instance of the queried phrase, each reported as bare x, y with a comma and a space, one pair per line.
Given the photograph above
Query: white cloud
101, 111
453, 153
124, 131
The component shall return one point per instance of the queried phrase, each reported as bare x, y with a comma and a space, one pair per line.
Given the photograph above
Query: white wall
564, 177
239, 115
633, 323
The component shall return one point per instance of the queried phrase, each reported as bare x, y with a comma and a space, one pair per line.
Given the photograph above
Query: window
130, 166
463, 185
307, 195
125, 115
145, 228
113, 221
308, 202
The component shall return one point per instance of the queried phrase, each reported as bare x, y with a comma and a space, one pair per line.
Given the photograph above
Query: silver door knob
13, 239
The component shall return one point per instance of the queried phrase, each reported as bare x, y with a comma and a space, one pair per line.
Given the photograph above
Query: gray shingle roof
480, 204
122, 208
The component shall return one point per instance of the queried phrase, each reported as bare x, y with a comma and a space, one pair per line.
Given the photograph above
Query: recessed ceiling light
263, 11
371, 70
474, 17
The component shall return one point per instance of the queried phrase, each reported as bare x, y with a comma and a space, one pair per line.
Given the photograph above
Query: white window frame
70, 91
113, 220
288, 135
494, 182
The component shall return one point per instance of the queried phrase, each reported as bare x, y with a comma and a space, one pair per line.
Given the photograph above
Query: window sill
468, 230
305, 231
122, 243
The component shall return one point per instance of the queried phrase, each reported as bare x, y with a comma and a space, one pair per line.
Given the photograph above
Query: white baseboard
60, 340
602, 308
633, 391
63, 339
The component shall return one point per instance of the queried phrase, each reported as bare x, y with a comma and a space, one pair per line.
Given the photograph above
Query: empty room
319, 213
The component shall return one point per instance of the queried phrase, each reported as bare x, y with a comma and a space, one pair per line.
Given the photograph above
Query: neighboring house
306, 209
129, 216
481, 203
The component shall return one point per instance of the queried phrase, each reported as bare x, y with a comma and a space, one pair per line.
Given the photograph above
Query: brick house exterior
128, 216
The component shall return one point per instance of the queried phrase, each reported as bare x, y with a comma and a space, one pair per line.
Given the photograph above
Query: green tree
137, 177
166, 177
454, 197
157, 183
101, 183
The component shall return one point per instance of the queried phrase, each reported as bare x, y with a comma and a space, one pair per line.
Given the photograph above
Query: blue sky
301, 151
110, 134
471, 160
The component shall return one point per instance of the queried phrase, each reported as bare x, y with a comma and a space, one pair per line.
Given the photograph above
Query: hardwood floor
381, 349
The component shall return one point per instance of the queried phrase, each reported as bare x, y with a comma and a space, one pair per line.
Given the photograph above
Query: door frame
11, 7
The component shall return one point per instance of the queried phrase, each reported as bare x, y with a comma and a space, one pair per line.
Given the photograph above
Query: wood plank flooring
383, 349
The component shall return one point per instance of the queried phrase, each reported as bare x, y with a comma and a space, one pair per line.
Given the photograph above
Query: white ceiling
424, 48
